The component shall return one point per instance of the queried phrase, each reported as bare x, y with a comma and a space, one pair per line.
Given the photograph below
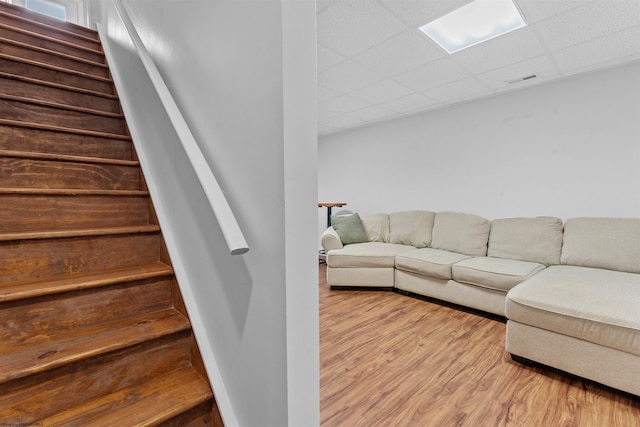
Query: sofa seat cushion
369, 254
494, 273
429, 262
595, 305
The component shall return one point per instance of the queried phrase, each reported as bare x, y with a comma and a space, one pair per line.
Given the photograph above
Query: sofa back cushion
611, 243
377, 227
526, 239
459, 232
411, 228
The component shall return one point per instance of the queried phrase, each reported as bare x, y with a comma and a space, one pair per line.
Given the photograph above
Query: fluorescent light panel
474, 23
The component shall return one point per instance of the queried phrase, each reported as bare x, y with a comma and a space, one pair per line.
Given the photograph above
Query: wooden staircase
92, 324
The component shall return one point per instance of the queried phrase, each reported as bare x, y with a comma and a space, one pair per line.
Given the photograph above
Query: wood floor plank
392, 360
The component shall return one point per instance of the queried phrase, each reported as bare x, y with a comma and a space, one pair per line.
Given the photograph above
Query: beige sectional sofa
570, 292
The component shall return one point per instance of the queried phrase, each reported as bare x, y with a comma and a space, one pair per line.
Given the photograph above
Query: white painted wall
243, 74
568, 148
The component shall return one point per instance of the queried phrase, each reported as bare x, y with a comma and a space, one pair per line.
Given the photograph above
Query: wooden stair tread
65, 129
43, 286
142, 405
51, 39
55, 67
43, 353
60, 106
59, 86
72, 192
23, 14
59, 54
66, 158
52, 28
76, 232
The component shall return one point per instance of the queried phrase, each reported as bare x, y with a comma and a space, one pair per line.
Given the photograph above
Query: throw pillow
349, 228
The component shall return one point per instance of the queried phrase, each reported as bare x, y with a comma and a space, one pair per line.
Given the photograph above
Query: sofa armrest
330, 240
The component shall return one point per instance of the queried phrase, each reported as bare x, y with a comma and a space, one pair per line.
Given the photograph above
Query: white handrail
219, 204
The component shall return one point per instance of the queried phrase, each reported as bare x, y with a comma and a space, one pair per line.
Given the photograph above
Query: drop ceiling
375, 65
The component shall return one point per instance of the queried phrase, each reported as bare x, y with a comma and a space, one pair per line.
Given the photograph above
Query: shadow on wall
220, 283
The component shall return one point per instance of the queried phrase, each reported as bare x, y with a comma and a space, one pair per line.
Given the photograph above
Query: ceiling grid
374, 64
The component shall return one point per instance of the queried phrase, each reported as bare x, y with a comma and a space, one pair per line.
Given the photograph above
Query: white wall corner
300, 180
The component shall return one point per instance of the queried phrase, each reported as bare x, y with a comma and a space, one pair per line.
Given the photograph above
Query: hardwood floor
392, 360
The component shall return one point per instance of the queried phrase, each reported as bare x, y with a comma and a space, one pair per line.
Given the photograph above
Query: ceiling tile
501, 51
382, 91
325, 94
457, 91
325, 114
541, 66
327, 58
347, 76
400, 53
322, 4
601, 53
538, 10
419, 12
343, 122
327, 130
343, 104
351, 26
431, 75
593, 20
410, 103
372, 60
373, 113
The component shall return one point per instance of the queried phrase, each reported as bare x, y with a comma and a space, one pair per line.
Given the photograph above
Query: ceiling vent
521, 79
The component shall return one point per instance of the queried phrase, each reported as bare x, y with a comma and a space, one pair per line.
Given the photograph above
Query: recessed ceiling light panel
474, 23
